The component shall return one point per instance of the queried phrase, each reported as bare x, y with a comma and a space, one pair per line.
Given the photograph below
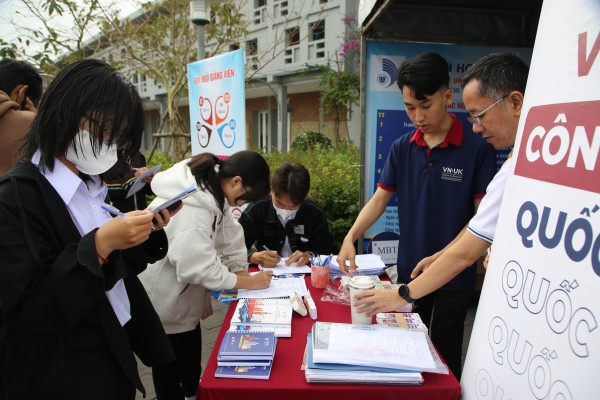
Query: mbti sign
561, 143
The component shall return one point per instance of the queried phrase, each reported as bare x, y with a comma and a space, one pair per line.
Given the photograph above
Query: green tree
329, 167
7, 50
53, 33
159, 43
342, 85
341, 90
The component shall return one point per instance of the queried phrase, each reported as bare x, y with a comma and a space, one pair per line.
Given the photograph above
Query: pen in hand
112, 210
269, 258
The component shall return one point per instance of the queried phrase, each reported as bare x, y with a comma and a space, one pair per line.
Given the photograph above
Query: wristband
104, 260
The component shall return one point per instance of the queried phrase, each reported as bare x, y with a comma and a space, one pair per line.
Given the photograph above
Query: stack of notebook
246, 354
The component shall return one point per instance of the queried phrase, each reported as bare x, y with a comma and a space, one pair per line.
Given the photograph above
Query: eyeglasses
100, 124
476, 119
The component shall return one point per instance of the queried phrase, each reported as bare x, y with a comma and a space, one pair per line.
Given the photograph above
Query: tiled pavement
212, 325
210, 331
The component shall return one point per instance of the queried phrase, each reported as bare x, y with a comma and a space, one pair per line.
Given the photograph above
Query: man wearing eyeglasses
493, 91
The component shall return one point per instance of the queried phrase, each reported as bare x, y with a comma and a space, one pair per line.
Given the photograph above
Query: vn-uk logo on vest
561, 145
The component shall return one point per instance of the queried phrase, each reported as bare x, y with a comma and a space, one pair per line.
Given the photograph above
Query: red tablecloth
287, 381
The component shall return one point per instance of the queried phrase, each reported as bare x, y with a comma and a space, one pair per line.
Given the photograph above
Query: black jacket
308, 231
59, 336
119, 180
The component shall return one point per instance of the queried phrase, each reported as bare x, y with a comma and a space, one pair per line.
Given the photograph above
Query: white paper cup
358, 283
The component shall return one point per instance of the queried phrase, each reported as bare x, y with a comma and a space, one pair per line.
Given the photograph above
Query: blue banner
217, 104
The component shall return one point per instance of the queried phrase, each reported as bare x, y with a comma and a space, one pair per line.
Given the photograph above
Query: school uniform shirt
206, 248
436, 189
60, 338
84, 200
483, 224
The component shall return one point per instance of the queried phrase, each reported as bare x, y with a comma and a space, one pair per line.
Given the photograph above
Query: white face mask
86, 161
285, 214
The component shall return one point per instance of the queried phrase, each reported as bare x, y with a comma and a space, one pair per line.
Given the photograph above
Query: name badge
299, 229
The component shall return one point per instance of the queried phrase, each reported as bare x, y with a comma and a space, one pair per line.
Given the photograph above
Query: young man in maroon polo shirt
440, 172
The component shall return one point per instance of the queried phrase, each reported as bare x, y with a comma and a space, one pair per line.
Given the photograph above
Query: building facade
286, 45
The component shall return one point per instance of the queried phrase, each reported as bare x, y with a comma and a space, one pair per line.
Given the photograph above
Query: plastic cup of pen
358, 283
319, 276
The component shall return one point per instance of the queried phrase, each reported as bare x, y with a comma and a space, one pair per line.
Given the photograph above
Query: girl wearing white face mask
286, 224
71, 307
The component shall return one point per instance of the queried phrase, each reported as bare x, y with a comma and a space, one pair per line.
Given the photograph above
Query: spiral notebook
273, 314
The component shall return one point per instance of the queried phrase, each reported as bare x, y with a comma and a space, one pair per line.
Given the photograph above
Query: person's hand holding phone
123, 232
162, 217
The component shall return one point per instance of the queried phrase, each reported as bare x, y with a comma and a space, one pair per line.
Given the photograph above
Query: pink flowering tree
342, 85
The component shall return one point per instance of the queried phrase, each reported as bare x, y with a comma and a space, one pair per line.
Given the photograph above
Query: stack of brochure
346, 373
366, 264
247, 355
408, 320
263, 315
377, 353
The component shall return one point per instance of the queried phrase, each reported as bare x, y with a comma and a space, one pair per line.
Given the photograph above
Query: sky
9, 9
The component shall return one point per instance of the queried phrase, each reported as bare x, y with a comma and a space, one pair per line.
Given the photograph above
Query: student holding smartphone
72, 310
207, 251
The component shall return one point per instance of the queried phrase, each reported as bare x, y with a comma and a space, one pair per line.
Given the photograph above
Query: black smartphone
169, 208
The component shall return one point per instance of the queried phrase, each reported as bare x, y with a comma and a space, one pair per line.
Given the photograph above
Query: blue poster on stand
217, 104
385, 117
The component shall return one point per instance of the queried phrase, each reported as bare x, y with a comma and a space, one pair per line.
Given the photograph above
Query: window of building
260, 3
234, 46
280, 9
264, 137
252, 47
317, 30
292, 36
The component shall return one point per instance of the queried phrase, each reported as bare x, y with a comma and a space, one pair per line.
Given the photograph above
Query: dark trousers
180, 378
127, 392
444, 312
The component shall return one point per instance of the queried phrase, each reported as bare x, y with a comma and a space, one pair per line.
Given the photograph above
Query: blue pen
112, 210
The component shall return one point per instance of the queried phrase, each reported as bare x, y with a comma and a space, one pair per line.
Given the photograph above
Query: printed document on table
281, 286
373, 345
281, 269
139, 182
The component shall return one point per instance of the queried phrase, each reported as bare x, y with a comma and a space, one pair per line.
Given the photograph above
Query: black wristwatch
404, 292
